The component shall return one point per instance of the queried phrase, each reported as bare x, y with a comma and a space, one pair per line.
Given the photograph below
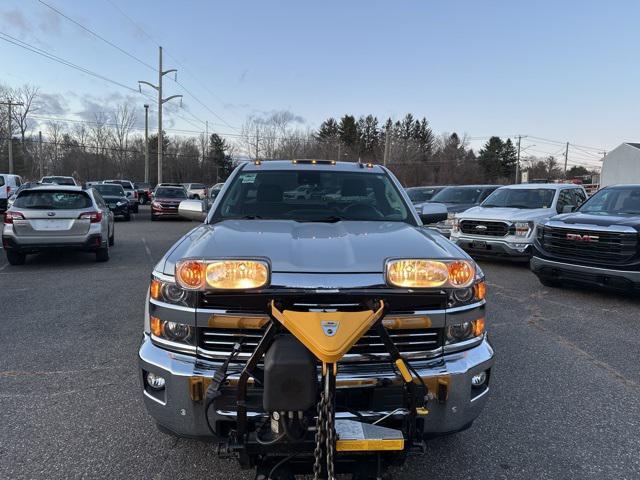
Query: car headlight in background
522, 229
223, 274
121, 203
416, 273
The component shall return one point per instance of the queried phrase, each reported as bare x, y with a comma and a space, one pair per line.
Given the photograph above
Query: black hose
280, 463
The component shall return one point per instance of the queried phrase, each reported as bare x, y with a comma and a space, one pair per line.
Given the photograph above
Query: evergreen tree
424, 137
490, 158
348, 131
368, 133
218, 157
508, 160
328, 131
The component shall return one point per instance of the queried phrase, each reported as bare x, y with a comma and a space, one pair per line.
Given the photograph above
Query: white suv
504, 224
9, 183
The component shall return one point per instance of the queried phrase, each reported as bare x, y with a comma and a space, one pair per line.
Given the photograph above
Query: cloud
49, 22
15, 19
278, 116
243, 75
52, 104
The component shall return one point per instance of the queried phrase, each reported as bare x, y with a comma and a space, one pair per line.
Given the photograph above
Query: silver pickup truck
326, 334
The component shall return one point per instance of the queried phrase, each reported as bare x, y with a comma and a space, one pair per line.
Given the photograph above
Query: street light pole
146, 143
161, 101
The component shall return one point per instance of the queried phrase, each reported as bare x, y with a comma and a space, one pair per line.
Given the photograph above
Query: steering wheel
362, 211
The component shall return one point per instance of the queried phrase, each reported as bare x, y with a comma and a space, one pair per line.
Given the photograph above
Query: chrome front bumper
174, 409
499, 247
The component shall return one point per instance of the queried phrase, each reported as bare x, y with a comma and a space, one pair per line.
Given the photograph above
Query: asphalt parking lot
565, 401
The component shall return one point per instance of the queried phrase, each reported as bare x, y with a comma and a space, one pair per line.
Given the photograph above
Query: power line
96, 35
186, 69
15, 41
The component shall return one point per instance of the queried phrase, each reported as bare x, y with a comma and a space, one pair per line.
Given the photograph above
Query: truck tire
15, 258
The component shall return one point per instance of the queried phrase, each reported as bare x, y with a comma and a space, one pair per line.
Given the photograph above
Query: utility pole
10, 103
566, 158
146, 143
161, 101
40, 159
518, 160
387, 146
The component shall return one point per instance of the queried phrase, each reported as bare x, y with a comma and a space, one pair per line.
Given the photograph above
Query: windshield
614, 201
171, 193
59, 180
327, 197
110, 190
52, 200
458, 195
420, 194
520, 198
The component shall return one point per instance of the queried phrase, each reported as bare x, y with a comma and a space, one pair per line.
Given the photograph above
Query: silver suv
56, 216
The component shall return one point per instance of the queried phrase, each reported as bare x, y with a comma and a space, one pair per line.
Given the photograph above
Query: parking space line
4, 266
147, 249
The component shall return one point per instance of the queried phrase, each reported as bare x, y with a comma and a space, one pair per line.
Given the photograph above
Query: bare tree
125, 119
27, 95
55, 133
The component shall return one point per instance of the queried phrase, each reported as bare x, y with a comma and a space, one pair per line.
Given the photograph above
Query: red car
165, 202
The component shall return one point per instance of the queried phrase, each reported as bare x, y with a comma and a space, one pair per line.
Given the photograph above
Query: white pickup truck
504, 224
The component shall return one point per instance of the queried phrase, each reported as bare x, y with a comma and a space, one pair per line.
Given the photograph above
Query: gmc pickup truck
324, 335
598, 245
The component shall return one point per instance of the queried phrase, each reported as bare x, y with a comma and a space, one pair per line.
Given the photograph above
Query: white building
621, 165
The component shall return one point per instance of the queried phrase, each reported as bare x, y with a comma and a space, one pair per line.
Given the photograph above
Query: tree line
108, 146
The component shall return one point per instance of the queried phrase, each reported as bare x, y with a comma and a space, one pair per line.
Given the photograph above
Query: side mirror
193, 210
568, 208
433, 213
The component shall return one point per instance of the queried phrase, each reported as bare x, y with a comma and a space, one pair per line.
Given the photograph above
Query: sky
554, 71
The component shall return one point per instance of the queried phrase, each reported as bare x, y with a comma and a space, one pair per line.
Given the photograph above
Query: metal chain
317, 453
331, 434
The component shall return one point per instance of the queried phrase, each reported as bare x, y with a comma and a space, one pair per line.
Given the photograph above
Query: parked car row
567, 238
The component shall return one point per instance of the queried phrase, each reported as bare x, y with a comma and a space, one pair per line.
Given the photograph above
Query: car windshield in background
110, 190
125, 184
457, 195
59, 180
614, 201
520, 198
418, 195
52, 200
171, 193
312, 196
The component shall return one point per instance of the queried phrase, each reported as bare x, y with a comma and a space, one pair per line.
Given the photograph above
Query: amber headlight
222, 274
416, 273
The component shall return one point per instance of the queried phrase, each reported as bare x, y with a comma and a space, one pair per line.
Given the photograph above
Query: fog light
156, 382
479, 379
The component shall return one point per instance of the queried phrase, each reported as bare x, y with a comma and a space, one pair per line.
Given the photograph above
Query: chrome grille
415, 343
597, 246
483, 227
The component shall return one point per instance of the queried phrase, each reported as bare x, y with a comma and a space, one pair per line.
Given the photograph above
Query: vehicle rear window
52, 200
110, 190
59, 180
170, 193
421, 194
197, 185
1, 181
125, 183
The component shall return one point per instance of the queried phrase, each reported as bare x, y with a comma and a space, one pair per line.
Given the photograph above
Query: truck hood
499, 213
341, 247
578, 218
